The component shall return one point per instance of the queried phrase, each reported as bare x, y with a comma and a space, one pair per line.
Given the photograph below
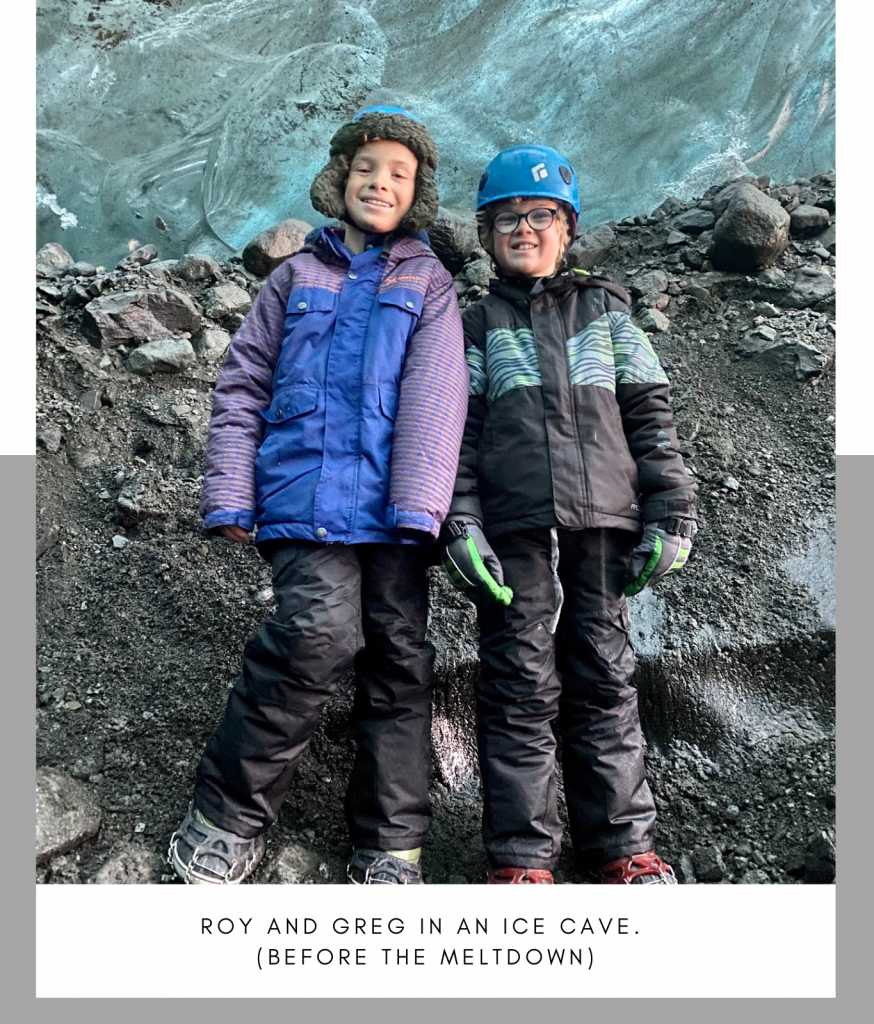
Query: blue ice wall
195, 124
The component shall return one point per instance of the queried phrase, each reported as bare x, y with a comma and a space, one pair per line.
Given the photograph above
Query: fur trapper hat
394, 125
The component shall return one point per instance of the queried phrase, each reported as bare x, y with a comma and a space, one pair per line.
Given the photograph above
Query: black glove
470, 563
663, 549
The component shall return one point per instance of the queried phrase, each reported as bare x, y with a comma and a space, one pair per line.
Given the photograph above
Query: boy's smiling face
524, 250
381, 186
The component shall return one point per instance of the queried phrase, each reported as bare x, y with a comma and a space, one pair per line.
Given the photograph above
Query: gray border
854, 476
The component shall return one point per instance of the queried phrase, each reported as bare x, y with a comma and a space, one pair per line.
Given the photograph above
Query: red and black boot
639, 869
520, 877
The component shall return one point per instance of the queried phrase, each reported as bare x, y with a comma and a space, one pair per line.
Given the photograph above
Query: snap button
301, 305
411, 305
279, 414
321, 532
353, 277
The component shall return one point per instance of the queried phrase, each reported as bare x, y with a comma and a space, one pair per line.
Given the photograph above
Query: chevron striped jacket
568, 418
338, 413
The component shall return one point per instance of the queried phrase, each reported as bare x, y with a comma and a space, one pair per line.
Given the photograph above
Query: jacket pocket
409, 301
388, 401
310, 300
291, 402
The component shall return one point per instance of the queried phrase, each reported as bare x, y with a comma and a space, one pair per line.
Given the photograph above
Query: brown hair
486, 232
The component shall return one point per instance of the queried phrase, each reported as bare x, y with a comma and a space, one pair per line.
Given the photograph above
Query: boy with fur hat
569, 452
335, 429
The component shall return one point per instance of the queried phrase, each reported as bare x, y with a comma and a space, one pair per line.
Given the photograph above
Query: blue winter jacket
339, 411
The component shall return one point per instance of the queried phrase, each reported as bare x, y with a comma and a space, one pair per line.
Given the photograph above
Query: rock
755, 876
140, 316
648, 282
131, 865
77, 295
708, 863
138, 258
66, 814
225, 300
453, 236
590, 249
676, 238
297, 865
766, 309
50, 437
697, 291
82, 269
119, 542
479, 272
694, 221
812, 285
168, 355
751, 230
793, 356
819, 860
668, 208
686, 870
52, 260
808, 220
827, 238
274, 245
211, 344
651, 320
47, 540
196, 267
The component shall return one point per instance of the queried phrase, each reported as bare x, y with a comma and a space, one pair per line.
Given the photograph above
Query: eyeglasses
540, 219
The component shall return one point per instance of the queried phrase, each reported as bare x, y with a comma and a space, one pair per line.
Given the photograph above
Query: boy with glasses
570, 466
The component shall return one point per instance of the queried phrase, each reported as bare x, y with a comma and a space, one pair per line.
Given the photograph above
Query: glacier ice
194, 124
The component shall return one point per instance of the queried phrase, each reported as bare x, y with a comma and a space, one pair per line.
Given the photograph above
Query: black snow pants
364, 605
561, 649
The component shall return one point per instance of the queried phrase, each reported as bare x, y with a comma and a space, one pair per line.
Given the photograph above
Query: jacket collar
521, 291
397, 246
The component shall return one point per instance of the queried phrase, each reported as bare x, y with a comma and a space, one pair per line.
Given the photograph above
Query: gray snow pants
339, 606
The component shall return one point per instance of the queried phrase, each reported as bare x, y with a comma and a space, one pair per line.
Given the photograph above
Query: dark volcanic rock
694, 221
274, 245
52, 260
812, 285
751, 231
141, 316
138, 258
453, 237
808, 220
66, 814
168, 355
709, 865
590, 249
819, 860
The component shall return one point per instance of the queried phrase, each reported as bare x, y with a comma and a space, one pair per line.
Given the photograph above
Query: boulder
66, 814
138, 258
812, 285
140, 316
676, 238
225, 300
819, 860
648, 282
827, 238
708, 863
479, 272
130, 865
751, 230
590, 249
791, 356
807, 220
52, 260
653, 320
694, 221
211, 344
197, 267
169, 355
453, 236
274, 245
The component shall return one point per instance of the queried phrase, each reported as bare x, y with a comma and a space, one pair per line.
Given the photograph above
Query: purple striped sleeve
243, 390
431, 411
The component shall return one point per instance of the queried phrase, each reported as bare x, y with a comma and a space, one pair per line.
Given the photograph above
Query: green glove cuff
503, 595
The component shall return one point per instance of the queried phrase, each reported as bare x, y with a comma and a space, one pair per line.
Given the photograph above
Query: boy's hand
235, 533
470, 562
663, 549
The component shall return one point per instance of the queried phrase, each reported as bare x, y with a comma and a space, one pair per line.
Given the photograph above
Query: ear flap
329, 186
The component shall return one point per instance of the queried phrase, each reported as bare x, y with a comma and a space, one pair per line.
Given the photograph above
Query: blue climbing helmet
529, 171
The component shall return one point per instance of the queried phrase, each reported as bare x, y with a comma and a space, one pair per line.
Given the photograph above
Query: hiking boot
202, 854
520, 876
376, 867
639, 869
